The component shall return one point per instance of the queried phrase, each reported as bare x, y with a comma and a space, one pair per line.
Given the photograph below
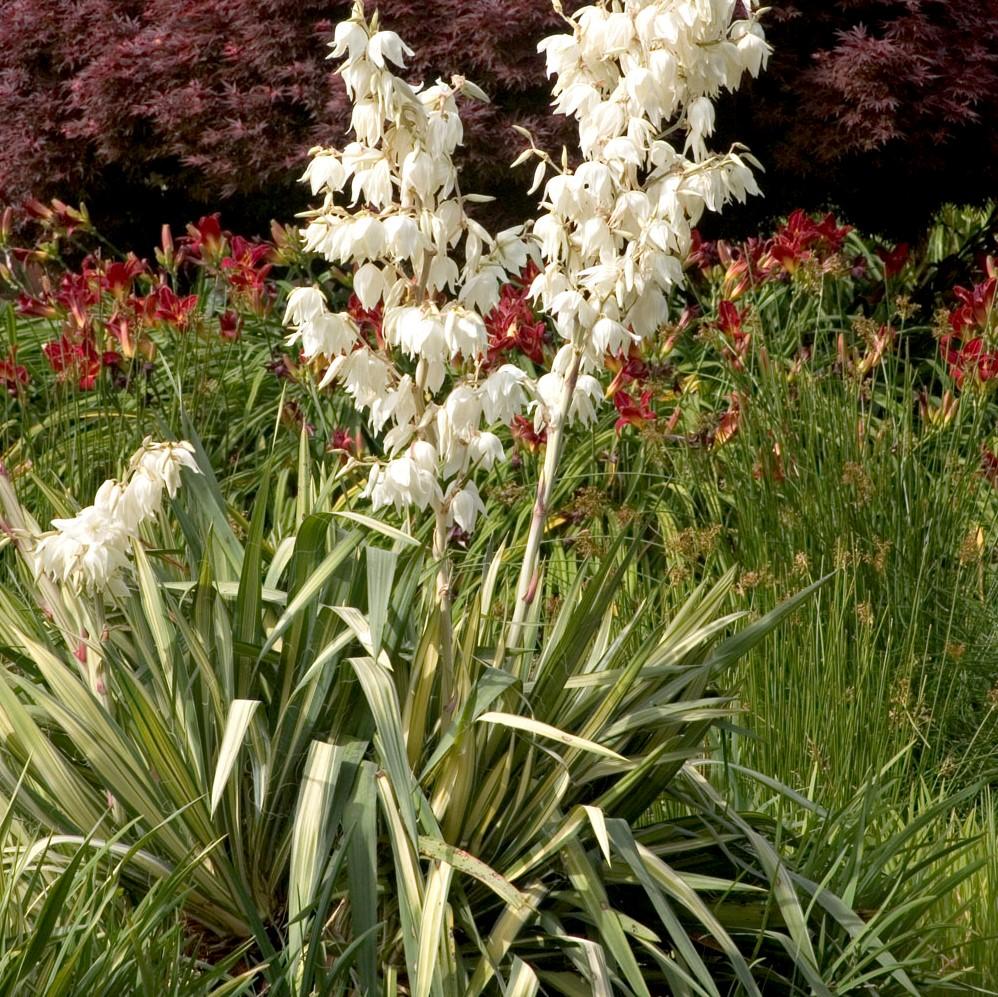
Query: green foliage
280, 723
73, 919
257, 774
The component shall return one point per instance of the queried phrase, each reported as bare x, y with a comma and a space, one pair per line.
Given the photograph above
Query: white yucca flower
503, 394
90, 551
410, 480
162, 463
464, 507
392, 211
614, 232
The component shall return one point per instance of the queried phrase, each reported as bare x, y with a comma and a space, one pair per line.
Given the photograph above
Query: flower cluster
90, 551
802, 239
615, 231
109, 311
801, 242
439, 304
413, 349
968, 347
512, 326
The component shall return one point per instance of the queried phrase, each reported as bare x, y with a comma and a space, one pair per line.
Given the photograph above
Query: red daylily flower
631, 412
246, 269
230, 325
205, 240
965, 348
969, 358
729, 321
118, 276
976, 306
894, 259
74, 361
703, 254
13, 376
125, 329
345, 443
35, 307
164, 305
368, 319
512, 325
626, 370
801, 239
524, 434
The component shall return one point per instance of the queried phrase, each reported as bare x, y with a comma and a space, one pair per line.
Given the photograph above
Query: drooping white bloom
424, 454
369, 285
751, 42
464, 507
586, 396
585, 399
503, 395
90, 550
404, 481
365, 376
700, 116
367, 239
387, 45
404, 238
464, 332
463, 411
163, 461
485, 450
304, 304
142, 498
328, 334
611, 337
325, 172
349, 38
398, 404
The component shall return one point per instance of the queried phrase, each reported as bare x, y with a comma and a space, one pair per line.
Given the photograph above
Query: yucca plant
276, 721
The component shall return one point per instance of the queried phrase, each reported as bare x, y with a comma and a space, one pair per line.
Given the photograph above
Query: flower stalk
445, 570
529, 579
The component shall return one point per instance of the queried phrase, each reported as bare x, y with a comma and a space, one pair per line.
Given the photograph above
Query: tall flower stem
445, 572
526, 589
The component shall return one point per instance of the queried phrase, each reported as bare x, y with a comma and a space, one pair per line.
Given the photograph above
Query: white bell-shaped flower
304, 303
464, 507
503, 396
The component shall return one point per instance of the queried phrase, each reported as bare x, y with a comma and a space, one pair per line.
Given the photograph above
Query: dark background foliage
883, 109
160, 110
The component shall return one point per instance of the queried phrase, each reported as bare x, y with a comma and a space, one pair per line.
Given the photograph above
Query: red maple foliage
166, 107
158, 110
883, 108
